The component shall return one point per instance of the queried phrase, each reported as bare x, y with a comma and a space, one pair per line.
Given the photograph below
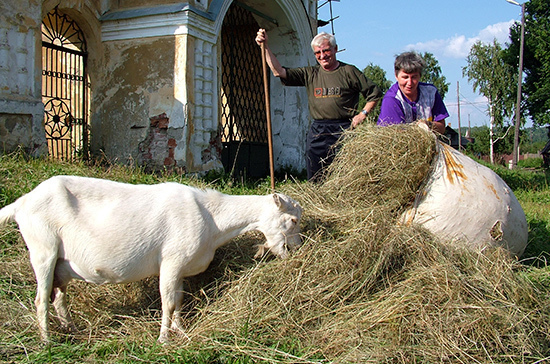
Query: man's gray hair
320, 38
409, 62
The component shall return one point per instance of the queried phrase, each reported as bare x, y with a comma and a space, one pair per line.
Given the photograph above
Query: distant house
451, 137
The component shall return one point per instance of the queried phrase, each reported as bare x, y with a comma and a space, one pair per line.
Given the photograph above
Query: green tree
377, 75
432, 74
536, 60
495, 79
482, 135
533, 139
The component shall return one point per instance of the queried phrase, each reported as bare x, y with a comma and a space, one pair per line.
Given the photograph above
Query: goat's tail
7, 214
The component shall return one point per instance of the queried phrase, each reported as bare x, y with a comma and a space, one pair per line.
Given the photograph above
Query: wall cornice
157, 21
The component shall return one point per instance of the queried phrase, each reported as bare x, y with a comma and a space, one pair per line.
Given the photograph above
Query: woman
410, 100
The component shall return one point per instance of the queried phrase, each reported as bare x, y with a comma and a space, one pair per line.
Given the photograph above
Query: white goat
102, 231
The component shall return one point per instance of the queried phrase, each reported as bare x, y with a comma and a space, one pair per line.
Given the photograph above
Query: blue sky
375, 31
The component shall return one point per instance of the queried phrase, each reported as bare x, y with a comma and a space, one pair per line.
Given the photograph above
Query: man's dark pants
320, 145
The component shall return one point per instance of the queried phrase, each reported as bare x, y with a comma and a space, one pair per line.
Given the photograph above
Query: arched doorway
65, 87
243, 119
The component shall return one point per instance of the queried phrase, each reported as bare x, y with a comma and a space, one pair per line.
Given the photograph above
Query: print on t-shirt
327, 92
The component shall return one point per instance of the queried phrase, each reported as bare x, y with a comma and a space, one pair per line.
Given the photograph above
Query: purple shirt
397, 109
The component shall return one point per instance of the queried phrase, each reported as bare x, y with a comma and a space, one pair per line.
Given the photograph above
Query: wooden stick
268, 116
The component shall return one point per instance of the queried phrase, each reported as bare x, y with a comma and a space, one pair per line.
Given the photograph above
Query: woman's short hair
320, 38
409, 62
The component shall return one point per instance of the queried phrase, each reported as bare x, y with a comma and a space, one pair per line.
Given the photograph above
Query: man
333, 89
410, 100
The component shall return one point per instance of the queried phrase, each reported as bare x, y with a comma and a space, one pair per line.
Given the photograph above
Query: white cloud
459, 46
500, 31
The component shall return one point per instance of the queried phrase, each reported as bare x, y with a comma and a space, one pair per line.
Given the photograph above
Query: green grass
531, 163
19, 340
19, 175
130, 352
532, 189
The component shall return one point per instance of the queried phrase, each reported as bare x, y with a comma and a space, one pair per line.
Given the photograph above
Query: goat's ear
278, 200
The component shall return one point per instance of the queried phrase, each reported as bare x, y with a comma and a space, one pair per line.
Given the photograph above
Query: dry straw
365, 289
361, 289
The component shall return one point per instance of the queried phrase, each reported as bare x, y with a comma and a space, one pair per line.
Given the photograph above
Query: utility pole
458, 103
515, 155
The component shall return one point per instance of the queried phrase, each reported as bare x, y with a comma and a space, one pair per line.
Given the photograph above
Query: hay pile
364, 289
361, 289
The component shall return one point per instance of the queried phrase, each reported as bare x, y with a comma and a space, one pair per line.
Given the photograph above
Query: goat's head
281, 226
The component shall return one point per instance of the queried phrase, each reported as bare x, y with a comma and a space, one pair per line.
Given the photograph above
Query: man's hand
261, 37
358, 119
272, 62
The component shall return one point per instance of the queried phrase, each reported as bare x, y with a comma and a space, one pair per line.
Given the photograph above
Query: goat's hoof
163, 340
182, 335
69, 329
260, 253
45, 342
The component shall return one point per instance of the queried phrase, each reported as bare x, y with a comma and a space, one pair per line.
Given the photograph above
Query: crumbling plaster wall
290, 113
154, 79
137, 85
161, 79
180, 112
21, 109
124, 4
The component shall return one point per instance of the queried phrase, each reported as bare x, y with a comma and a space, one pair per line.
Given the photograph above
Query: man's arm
359, 118
272, 62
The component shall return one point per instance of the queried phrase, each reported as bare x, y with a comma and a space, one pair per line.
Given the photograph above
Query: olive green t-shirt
333, 94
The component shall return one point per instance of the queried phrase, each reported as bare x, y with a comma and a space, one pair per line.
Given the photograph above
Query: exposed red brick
160, 121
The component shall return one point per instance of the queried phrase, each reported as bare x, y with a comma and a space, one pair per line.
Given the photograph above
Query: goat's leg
260, 252
177, 324
43, 267
170, 293
60, 305
43, 247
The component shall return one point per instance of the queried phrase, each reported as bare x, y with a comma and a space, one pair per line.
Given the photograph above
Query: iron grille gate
65, 88
243, 120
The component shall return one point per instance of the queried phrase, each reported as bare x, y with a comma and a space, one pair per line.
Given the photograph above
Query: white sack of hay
465, 201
